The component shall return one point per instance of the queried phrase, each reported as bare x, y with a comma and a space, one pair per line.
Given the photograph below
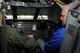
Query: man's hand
31, 36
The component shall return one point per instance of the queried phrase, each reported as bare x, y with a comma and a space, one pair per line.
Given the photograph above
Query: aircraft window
40, 17
9, 17
20, 16
43, 17
25, 16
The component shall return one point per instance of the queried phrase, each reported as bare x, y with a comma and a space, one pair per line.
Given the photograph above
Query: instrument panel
39, 28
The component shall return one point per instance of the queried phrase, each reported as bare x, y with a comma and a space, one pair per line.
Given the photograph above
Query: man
15, 39
55, 43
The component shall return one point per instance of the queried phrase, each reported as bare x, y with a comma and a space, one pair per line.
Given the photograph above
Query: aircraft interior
39, 18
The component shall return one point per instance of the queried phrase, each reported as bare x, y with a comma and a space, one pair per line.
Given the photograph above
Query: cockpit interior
39, 18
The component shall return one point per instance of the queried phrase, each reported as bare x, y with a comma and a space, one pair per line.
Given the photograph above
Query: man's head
64, 13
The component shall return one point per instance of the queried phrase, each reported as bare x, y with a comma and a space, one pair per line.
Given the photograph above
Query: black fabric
67, 1
54, 51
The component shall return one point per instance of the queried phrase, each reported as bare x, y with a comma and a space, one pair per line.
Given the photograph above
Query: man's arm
41, 44
13, 37
56, 41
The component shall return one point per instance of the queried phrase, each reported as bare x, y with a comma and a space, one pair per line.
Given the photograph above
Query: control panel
39, 28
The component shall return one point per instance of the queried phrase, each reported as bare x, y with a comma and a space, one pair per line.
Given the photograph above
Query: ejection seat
71, 41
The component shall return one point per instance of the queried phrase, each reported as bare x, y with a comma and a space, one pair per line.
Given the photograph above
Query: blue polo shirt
55, 43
